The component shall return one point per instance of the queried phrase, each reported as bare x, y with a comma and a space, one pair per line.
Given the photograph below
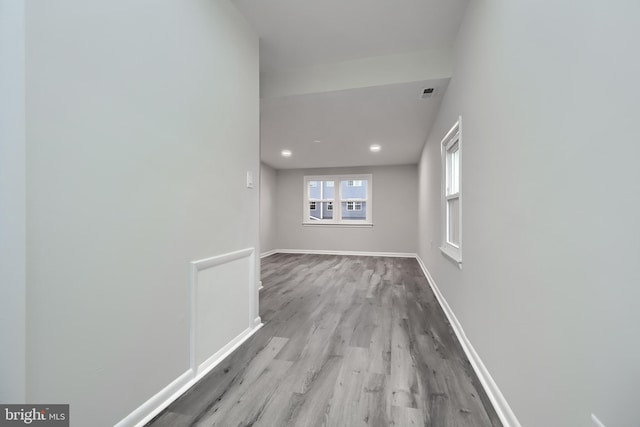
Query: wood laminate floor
347, 341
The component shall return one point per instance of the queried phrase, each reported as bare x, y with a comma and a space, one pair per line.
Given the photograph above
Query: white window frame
452, 139
337, 219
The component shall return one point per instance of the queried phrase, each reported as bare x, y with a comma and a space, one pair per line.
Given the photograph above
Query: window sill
337, 224
453, 255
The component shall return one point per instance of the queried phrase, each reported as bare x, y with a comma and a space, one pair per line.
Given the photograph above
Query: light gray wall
142, 122
12, 203
395, 193
548, 293
267, 208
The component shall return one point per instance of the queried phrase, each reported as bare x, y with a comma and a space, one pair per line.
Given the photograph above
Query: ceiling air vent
427, 93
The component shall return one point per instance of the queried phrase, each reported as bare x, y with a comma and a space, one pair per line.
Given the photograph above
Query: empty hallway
154, 153
347, 341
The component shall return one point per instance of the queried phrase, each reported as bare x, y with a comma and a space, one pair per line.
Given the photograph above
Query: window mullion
338, 193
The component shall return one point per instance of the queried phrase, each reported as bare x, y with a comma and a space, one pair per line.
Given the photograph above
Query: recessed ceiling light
374, 148
286, 153
317, 141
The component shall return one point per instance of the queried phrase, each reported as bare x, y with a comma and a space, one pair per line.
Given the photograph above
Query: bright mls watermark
34, 415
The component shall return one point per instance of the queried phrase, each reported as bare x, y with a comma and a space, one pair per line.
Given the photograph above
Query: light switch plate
249, 179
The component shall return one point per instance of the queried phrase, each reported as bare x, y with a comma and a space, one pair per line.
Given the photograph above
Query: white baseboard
351, 253
205, 367
506, 415
268, 253
152, 407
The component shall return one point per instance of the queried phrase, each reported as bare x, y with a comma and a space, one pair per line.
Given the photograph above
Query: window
350, 194
451, 194
320, 195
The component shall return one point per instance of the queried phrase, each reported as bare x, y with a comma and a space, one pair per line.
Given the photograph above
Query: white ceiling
300, 34
346, 123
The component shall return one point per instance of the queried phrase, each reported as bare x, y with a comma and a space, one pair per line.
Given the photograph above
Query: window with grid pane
451, 194
340, 199
320, 196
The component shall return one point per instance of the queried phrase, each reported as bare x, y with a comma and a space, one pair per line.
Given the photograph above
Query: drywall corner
12, 203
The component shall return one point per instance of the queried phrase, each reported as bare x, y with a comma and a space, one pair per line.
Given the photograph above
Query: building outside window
350, 193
